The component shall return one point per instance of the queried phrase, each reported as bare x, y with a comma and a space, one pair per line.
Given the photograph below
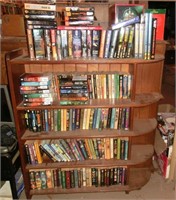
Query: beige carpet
157, 188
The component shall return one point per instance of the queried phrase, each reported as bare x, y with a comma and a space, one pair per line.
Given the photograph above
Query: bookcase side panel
149, 77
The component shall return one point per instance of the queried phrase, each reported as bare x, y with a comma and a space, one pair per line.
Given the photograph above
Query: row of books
76, 118
77, 177
73, 89
74, 15
77, 149
94, 86
140, 33
71, 42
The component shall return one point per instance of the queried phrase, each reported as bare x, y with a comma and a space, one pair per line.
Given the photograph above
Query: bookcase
146, 92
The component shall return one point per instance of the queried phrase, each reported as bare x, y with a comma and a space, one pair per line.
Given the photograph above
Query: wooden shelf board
141, 100
141, 127
27, 60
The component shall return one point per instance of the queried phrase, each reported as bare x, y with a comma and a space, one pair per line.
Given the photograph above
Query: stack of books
39, 21
74, 16
73, 89
37, 89
79, 88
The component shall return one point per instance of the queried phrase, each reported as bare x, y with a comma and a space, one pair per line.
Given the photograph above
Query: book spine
64, 42
89, 43
53, 43
38, 35
102, 43
59, 44
154, 31
30, 44
96, 36
130, 47
141, 40
107, 43
47, 7
146, 35
113, 43
120, 42
126, 23
84, 43
77, 45
70, 43
47, 37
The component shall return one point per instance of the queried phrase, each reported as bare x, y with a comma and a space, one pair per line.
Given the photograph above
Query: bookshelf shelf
143, 102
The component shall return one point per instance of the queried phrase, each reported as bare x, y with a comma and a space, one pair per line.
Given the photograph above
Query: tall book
160, 15
77, 46
39, 46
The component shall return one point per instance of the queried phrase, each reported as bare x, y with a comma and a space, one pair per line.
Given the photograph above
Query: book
160, 16
153, 45
125, 42
36, 77
30, 44
34, 6
130, 46
84, 42
64, 43
102, 43
38, 35
70, 44
126, 23
77, 45
39, 12
40, 17
62, 27
89, 43
35, 83
59, 44
78, 17
113, 43
77, 8
107, 43
78, 22
47, 39
136, 41
141, 40
38, 152
39, 22
96, 37
53, 44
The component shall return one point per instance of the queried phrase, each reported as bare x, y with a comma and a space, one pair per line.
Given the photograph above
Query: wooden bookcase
146, 92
